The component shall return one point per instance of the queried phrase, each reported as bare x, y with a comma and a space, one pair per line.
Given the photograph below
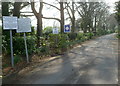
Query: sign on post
24, 25
67, 28
55, 31
10, 23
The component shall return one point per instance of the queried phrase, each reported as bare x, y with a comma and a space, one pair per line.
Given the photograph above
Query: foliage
47, 30
44, 47
89, 35
72, 36
80, 36
118, 16
118, 11
17, 59
118, 36
18, 45
5, 65
58, 42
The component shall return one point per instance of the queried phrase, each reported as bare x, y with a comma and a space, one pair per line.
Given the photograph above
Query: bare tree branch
51, 5
51, 18
41, 6
33, 9
24, 5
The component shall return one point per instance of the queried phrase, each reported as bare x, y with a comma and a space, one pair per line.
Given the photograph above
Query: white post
26, 48
11, 46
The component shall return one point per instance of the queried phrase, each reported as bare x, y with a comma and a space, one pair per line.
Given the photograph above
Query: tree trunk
73, 25
95, 25
39, 26
73, 17
5, 12
5, 8
16, 11
39, 29
85, 30
62, 17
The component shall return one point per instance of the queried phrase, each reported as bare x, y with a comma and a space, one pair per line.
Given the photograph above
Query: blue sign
67, 28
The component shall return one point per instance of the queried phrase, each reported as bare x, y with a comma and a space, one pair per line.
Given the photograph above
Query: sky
52, 12
111, 3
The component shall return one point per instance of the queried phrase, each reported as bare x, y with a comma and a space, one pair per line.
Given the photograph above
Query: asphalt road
93, 62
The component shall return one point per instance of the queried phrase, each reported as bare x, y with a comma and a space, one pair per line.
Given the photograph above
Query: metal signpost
10, 23
55, 31
24, 25
67, 28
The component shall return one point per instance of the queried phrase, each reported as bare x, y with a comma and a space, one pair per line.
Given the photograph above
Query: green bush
79, 36
58, 42
44, 47
100, 32
17, 59
72, 36
19, 46
89, 35
47, 30
118, 36
5, 65
43, 50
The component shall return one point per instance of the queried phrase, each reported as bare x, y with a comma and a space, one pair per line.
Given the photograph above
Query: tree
71, 13
118, 11
38, 16
61, 9
18, 6
93, 15
118, 15
85, 10
5, 12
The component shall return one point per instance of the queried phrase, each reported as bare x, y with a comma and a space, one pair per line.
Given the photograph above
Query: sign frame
10, 22
69, 28
24, 25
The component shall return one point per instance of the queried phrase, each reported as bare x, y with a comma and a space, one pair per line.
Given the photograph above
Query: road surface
93, 62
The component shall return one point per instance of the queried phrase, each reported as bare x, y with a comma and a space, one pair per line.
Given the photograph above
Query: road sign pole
26, 48
11, 46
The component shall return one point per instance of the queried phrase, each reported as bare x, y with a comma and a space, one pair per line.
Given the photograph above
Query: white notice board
55, 31
24, 25
9, 23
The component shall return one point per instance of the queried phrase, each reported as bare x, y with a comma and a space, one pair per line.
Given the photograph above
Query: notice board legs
11, 47
26, 48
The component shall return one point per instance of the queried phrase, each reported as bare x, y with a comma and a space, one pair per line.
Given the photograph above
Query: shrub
118, 36
17, 59
58, 42
72, 36
89, 35
44, 47
43, 50
79, 36
19, 46
100, 32
47, 30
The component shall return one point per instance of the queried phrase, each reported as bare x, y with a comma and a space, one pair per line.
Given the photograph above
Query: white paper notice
24, 25
9, 22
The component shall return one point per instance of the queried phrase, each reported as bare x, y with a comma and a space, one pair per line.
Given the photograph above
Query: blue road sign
67, 28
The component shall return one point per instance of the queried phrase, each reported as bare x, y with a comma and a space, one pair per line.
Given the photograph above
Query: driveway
93, 62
